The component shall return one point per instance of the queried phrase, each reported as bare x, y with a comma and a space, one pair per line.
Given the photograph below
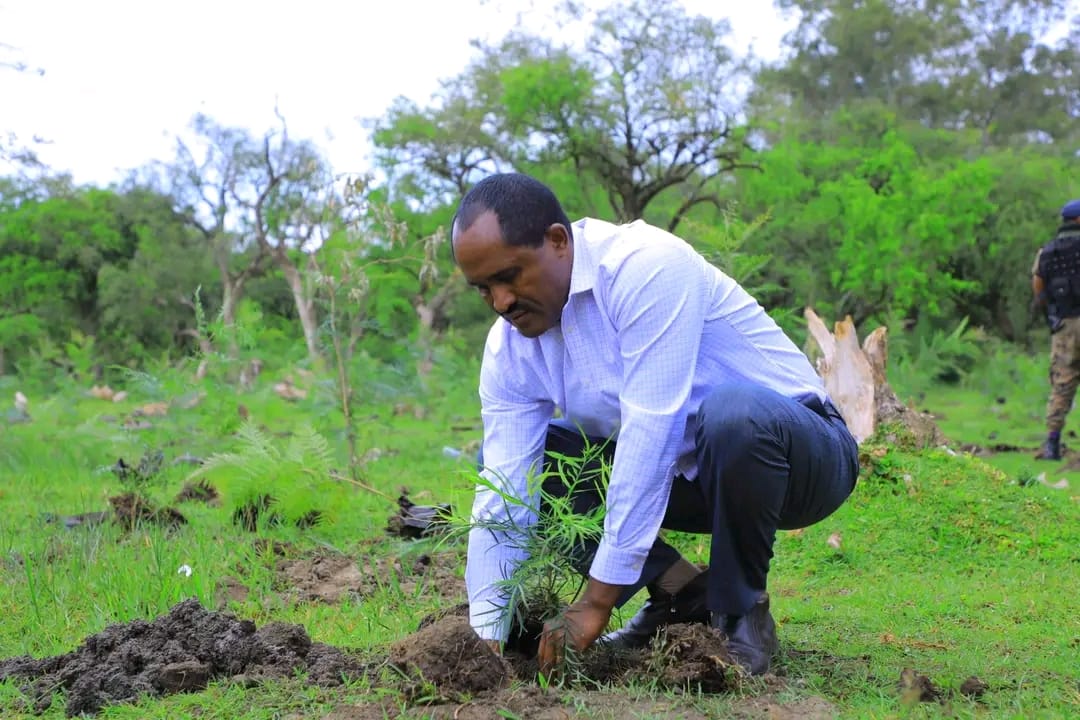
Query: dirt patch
178, 652
329, 578
131, 510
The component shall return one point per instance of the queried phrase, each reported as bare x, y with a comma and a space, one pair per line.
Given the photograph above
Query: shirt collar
583, 270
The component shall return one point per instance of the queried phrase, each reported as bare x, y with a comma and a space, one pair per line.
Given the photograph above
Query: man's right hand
494, 645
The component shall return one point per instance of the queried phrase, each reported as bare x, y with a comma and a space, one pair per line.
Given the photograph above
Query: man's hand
579, 625
494, 645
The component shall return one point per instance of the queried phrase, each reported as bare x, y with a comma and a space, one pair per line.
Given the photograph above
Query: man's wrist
601, 594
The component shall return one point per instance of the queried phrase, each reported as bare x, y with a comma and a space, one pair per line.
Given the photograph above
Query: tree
144, 304
868, 226
206, 183
982, 65
256, 203
51, 252
295, 211
648, 109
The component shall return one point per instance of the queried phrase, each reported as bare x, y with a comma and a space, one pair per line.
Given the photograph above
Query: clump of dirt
328, 578
201, 491
522, 642
132, 509
178, 652
451, 656
693, 656
417, 521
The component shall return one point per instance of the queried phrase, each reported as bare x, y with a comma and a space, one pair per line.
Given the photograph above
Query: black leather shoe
660, 610
751, 637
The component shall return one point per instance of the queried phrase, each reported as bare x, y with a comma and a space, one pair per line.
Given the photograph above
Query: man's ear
558, 235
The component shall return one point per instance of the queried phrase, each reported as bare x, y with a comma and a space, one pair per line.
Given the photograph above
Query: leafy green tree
957, 64
868, 228
648, 109
51, 251
145, 304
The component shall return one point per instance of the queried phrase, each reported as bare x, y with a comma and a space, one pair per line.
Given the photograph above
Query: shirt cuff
489, 620
617, 567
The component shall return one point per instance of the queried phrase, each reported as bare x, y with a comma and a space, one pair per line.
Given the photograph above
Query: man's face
527, 286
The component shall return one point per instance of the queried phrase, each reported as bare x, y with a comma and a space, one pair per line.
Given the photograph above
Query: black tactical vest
1059, 267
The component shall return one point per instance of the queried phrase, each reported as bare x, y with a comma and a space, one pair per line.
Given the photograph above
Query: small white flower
184, 570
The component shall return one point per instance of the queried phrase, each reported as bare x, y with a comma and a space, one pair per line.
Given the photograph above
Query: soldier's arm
1038, 285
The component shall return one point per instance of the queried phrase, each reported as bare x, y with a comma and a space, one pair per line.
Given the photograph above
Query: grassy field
953, 563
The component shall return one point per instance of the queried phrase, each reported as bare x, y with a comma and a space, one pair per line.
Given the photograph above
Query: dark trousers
765, 462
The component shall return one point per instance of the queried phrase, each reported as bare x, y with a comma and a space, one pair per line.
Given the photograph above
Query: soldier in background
1055, 283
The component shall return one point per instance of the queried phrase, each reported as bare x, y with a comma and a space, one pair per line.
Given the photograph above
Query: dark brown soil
451, 656
455, 676
442, 671
692, 656
178, 652
131, 510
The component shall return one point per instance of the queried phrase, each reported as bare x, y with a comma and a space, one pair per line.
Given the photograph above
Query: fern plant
293, 482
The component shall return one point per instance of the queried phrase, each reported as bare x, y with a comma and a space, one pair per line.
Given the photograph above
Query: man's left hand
579, 625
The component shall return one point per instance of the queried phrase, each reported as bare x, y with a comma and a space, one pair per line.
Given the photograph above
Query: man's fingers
550, 654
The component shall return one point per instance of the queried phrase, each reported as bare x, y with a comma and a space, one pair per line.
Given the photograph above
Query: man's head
1071, 211
513, 243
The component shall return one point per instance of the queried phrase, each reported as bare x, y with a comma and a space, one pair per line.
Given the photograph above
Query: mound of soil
178, 652
451, 656
695, 655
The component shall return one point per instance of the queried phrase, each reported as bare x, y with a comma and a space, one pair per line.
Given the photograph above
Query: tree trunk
232, 291
305, 306
855, 379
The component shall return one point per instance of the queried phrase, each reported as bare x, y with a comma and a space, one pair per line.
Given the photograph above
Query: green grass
948, 564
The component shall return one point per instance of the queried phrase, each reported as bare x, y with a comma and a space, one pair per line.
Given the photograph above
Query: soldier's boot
1051, 449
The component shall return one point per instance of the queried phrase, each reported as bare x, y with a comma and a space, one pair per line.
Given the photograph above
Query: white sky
123, 77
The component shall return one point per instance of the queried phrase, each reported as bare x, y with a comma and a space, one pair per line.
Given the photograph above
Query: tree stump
855, 379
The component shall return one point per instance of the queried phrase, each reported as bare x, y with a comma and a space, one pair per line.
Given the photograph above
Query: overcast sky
123, 77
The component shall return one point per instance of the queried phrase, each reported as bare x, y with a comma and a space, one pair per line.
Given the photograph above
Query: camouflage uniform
1064, 367
1064, 372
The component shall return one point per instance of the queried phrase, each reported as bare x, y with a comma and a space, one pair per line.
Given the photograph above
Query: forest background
901, 162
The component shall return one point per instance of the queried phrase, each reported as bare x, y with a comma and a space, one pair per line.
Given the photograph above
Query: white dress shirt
648, 330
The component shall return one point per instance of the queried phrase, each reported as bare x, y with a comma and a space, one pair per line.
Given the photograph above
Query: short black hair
524, 206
